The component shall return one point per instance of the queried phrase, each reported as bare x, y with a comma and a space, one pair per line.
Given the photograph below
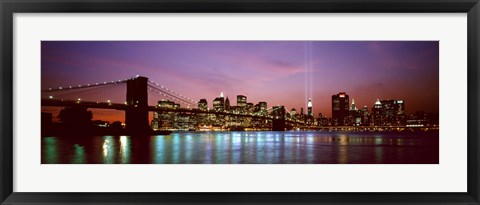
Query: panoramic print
239, 102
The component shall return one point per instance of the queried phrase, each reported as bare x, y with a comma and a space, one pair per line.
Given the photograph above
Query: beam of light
308, 70
311, 72
305, 68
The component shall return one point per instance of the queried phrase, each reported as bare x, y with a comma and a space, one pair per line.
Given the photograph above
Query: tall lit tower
353, 107
309, 107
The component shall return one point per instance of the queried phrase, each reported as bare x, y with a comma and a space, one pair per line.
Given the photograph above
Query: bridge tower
278, 121
136, 114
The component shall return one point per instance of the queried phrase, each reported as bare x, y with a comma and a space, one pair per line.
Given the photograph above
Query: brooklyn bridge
138, 91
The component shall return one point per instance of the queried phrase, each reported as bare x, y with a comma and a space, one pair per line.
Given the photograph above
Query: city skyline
277, 72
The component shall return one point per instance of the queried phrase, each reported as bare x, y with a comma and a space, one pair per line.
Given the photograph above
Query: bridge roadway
119, 106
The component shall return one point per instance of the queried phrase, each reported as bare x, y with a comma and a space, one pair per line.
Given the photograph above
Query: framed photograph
255, 102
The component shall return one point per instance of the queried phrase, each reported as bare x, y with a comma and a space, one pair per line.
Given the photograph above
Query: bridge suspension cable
76, 87
171, 96
94, 93
172, 93
77, 90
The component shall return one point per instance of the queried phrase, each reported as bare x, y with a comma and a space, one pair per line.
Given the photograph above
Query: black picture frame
9, 7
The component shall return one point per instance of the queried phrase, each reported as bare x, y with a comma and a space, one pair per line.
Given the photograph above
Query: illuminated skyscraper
353, 107
377, 116
241, 101
219, 103
389, 112
164, 120
263, 108
354, 116
249, 108
309, 107
165, 104
400, 107
339, 108
202, 105
378, 104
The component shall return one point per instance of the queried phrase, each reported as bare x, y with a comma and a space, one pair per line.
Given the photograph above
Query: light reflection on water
245, 148
124, 150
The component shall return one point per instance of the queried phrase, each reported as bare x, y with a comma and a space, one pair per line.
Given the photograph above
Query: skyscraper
241, 101
389, 112
377, 117
227, 104
165, 120
249, 108
353, 107
339, 108
309, 107
202, 105
263, 108
219, 103
354, 116
400, 107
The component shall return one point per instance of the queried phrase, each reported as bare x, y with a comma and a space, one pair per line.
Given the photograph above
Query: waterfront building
309, 107
394, 110
388, 113
377, 117
241, 101
302, 116
164, 120
219, 103
227, 104
322, 120
340, 108
183, 121
353, 107
399, 107
354, 115
176, 105
203, 105
263, 108
249, 108
365, 115
256, 109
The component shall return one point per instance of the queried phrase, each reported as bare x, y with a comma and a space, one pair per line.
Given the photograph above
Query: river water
294, 147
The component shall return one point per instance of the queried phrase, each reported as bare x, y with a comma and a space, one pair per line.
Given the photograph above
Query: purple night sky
278, 72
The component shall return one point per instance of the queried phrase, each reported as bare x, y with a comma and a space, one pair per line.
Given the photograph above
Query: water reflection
79, 155
245, 148
124, 150
49, 150
108, 150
